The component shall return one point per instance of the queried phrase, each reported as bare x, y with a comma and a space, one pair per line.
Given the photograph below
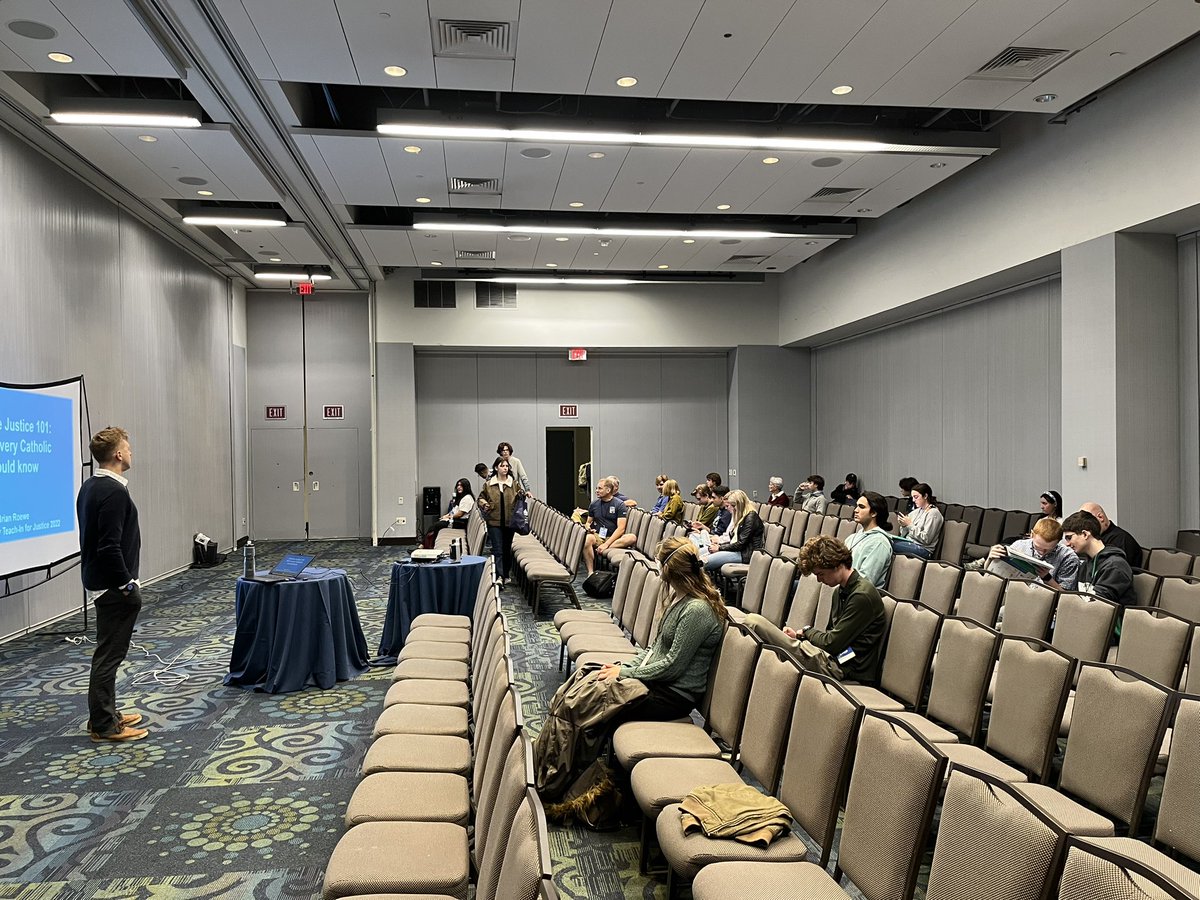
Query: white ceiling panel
298, 242
10, 61
801, 182
592, 253
226, 158
556, 43
389, 33
753, 180
171, 159
530, 183
248, 40
920, 176
979, 93
357, 166
645, 171
390, 247
641, 40
474, 74
316, 162
88, 60
892, 37
722, 45
414, 174
290, 245
516, 254
1077, 23
635, 254
114, 159
118, 35
304, 39
971, 40
560, 253
587, 180
691, 184
428, 247
474, 159
363, 246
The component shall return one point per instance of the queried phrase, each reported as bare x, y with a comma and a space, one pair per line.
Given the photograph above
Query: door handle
316, 486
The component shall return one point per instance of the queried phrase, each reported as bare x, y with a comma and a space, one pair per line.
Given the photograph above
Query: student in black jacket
110, 545
1104, 571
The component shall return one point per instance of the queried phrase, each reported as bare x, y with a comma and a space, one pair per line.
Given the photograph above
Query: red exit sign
276, 413
304, 288
334, 412
577, 354
568, 411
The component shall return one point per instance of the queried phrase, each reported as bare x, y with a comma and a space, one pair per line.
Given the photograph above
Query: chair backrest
1016, 524
829, 525
909, 652
992, 843
973, 516
904, 580
939, 585
756, 581
731, 684
492, 836
846, 512
786, 518
894, 786
1178, 824
1188, 540
966, 658
954, 541
991, 527
779, 587
1154, 643
654, 534
649, 609
803, 610
979, 597
773, 536
812, 529
1181, 596
953, 511
620, 596
1169, 561
795, 537
633, 593
1028, 609
816, 763
1083, 626
846, 527
525, 871
1145, 586
768, 708
825, 606
833, 509
1116, 730
506, 761
1192, 683
774, 515
1032, 683
1117, 872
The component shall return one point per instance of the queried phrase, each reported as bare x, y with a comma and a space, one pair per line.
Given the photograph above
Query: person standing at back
504, 450
110, 546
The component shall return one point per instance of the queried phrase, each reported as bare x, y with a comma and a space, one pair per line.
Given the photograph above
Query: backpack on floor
600, 585
593, 800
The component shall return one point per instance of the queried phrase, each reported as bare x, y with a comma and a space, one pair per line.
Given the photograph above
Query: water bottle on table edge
248, 560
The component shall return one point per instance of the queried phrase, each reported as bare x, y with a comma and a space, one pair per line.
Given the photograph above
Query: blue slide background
34, 504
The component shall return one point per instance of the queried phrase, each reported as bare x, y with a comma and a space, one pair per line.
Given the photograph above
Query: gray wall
967, 400
770, 417
1189, 381
649, 413
90, 290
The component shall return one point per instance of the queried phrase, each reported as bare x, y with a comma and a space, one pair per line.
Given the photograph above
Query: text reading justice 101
23, 436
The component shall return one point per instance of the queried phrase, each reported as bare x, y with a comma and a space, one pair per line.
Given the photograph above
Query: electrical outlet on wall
400, 520
400, 500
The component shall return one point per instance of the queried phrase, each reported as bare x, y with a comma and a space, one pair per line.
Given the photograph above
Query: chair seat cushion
930, 730
543, 569
782, 881
735, 570
563, 616
441, 620
689, 853
590, 643
410, 797
428, 691
438, 669
434, 650
418, 753
635, 741
1155, 859
397, 857
605, 656
1070, 815
608, 629
661, 781
873, 698
977, 758
419, 718
449, 634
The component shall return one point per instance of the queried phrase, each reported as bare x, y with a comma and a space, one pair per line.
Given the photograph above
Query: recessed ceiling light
770, 160
937, 165
626, 81
596, 253
810, 243
560, 239
395, 71
551, 265
424, 200
1045, 98
722, 206
842, 89
148, 138
435, 263
60, 57
689, 240
519, 237
864, 210
412, 148
276, 259
575, 204
205, 193
595, 154
664, 266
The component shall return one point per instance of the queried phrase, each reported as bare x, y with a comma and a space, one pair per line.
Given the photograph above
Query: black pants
660, 705
501, 537
116, 613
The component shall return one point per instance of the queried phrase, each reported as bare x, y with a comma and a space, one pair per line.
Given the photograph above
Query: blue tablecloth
440, 587
295, 633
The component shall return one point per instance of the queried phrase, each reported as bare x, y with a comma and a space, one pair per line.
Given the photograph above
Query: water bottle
248, 569
454, 550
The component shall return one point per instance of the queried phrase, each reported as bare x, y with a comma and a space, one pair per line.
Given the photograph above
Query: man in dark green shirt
852, 646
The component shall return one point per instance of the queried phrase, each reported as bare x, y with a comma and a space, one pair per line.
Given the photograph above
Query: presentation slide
41, 463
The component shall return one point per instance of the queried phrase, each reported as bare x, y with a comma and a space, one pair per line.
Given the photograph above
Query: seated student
1051, 504
606, 524
872, 547
1103, 571
1113, 535
745, 534
810, 496
920, 529
851, 647
457, 512
672, 510
708, 509
848, 491
661, 502
723, 518
1044, 543
775, 491
907, 483
712, 479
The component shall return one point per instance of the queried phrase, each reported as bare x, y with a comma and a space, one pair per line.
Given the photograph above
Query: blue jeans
911, 548
501, 539
713, 564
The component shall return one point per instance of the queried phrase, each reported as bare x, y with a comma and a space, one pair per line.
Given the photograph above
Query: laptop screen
292, 564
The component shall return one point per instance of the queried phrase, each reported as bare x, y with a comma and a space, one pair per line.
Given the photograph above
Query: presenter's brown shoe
127, 733
126, 719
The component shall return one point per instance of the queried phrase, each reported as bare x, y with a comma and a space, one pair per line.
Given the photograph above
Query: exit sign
304, 288
568, 411
334, 412
577, 354
275, 413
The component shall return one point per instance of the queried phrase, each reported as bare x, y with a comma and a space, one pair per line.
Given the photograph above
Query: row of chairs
448, 786
549, 555
476, 534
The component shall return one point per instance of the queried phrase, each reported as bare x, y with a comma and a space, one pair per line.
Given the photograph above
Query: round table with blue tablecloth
445, 586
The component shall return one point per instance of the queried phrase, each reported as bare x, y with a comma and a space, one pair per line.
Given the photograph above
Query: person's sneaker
126, 719
128, 733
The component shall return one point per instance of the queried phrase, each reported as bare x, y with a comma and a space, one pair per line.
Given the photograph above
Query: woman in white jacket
921, 528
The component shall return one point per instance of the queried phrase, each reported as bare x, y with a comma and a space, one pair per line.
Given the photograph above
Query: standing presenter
110, 544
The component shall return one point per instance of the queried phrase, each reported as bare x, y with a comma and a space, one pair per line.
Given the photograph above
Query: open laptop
287, 569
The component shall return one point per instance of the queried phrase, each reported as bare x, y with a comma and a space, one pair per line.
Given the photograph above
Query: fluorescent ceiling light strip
143, 120
600, 281
291, 276
465, 132
611, 232
234, 220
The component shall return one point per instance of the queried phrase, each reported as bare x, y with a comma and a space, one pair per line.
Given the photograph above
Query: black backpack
600, 585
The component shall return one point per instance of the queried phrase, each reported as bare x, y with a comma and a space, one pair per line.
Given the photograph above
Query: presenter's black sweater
110, 540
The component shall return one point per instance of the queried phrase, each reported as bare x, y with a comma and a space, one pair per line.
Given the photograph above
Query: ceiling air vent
434, 295
749, 259
1020, 64
837, 194
474, 254
495, 296
472, 39
473, 185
